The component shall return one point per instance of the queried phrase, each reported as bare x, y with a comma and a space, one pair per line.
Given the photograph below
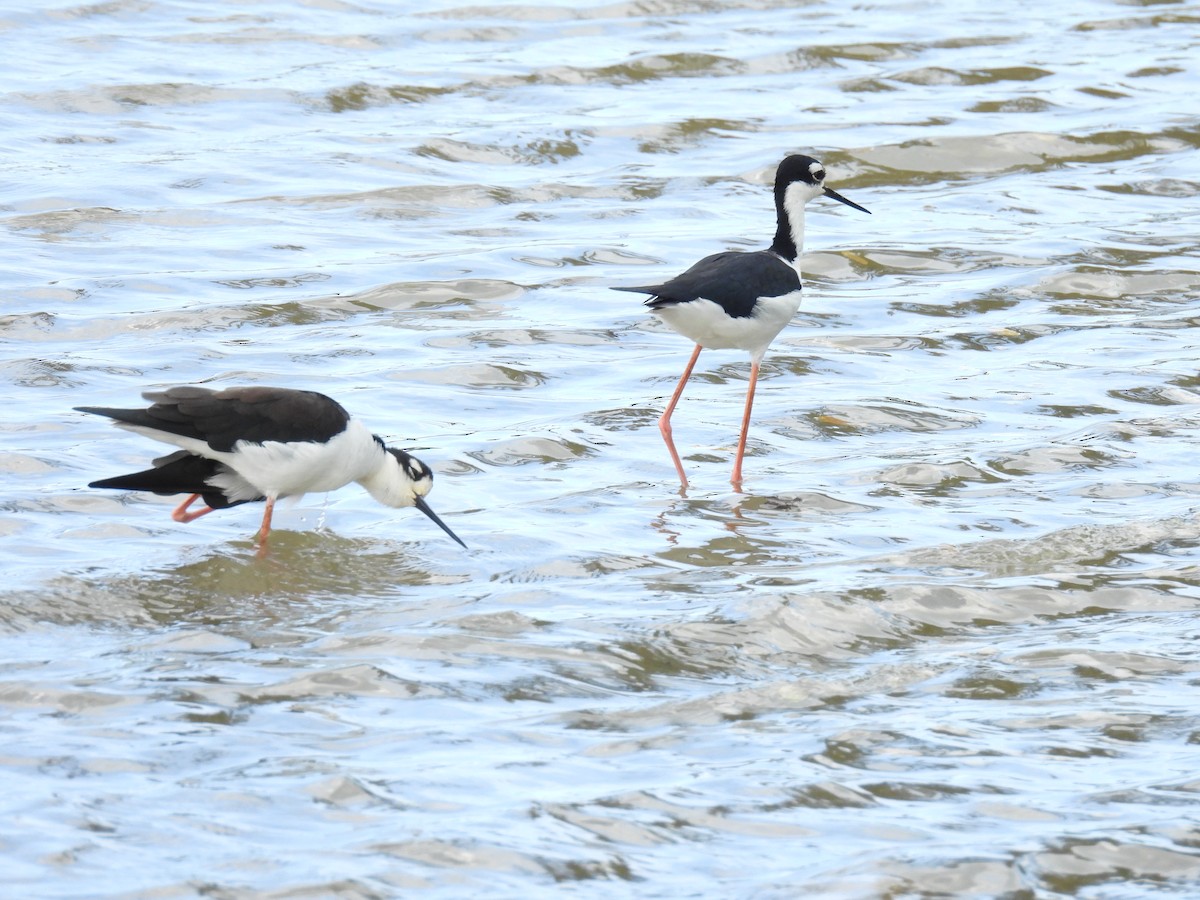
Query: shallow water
941, 644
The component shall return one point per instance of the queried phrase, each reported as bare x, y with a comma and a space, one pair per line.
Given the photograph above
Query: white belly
708, 325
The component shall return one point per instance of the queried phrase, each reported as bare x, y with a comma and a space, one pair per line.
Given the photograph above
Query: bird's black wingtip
117, 482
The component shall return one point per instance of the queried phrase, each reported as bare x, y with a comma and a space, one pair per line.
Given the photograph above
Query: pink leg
741, 450
182, 515
265, 530
664, 421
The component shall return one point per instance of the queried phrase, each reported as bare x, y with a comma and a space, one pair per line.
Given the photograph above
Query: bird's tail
179, 473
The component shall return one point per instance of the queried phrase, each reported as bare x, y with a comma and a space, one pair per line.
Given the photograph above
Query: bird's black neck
784, 244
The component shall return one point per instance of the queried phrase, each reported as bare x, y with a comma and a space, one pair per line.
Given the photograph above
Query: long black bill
830, 192
419, 503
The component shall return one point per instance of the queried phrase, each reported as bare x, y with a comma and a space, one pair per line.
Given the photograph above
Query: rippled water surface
943, 642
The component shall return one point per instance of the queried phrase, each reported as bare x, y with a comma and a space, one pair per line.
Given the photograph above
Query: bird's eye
819, 175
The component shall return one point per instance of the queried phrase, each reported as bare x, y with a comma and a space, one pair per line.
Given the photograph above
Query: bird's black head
808, 176
404, 484
799, 168
420, 480
416, 471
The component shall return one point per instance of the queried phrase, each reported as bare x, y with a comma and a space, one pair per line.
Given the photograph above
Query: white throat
795, 198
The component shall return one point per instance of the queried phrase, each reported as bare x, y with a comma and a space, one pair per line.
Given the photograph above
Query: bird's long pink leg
664, 421
265, 530
741, 450
182, 515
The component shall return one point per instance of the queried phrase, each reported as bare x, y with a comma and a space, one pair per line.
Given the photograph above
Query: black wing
222, 418
179, 473
733, 279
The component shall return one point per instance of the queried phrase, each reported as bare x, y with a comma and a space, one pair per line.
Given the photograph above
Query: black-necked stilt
741, 300
245, 444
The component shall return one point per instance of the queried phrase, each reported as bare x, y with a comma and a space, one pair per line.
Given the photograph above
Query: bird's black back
735, 280
179, 473
222, 418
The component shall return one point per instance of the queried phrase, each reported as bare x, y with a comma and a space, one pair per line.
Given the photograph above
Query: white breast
289, 469
286, 470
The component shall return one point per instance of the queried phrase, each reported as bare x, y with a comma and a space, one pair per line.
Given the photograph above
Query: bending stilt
265, 530
182, 515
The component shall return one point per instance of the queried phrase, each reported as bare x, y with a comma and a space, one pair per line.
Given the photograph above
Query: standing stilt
742, 300
664, 421
741, 449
